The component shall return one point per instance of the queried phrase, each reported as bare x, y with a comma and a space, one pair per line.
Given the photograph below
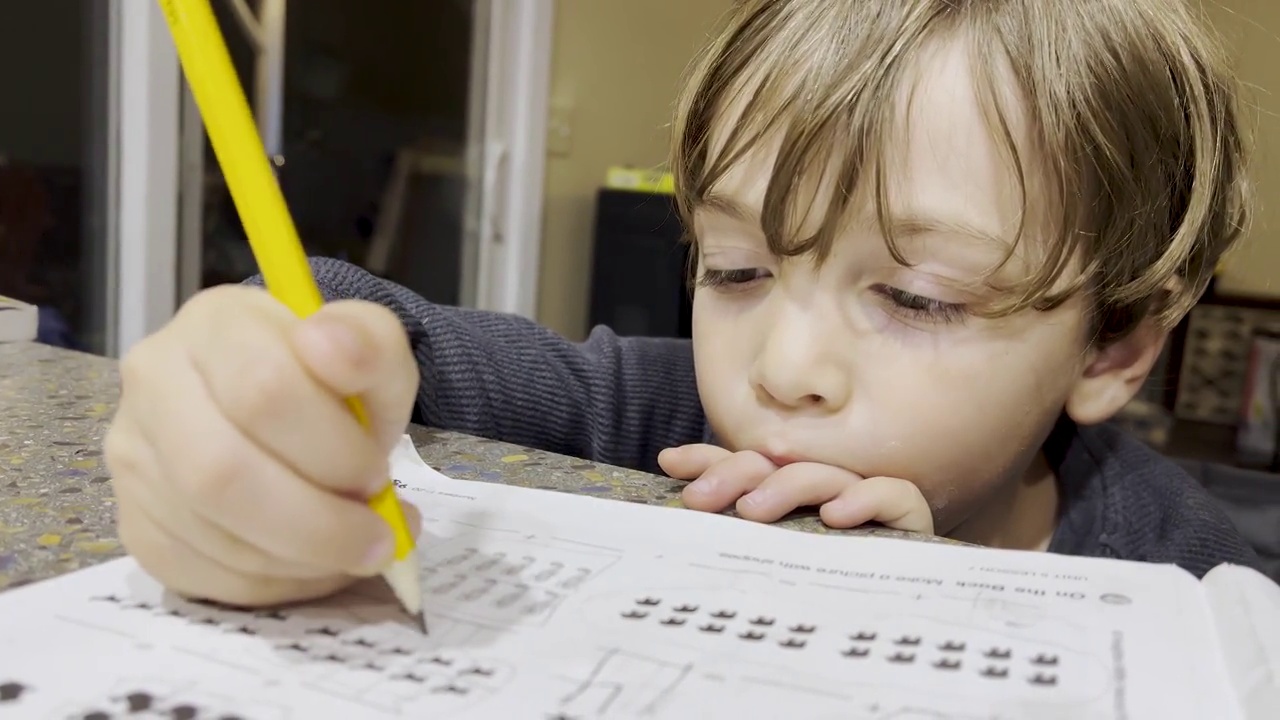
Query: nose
798, 369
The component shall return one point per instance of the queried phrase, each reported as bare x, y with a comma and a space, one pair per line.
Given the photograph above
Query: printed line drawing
843, 702
348, 650
922, 713
624, 684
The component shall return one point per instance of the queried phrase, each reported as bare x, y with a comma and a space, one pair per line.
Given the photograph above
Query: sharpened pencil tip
402, 575
422, 623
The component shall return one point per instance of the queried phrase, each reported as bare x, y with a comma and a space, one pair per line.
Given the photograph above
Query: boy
937, 243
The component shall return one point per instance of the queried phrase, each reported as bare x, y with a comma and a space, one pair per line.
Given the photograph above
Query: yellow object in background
650, 181
267, 222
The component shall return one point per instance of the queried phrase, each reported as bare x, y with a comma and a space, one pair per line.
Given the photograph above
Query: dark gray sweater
620, 401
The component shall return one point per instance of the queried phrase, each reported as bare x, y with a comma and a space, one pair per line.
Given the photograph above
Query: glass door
380, 121
56, 247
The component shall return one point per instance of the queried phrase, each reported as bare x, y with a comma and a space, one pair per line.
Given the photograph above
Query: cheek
969, 423
708, 336
722, 331
940, 417
722, 356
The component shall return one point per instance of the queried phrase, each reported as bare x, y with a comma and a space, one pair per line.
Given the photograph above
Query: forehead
944, 151
950, 161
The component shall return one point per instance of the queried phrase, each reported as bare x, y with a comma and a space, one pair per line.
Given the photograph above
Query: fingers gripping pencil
273, 238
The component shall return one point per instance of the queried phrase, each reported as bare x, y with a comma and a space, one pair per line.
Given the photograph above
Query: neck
1022, 516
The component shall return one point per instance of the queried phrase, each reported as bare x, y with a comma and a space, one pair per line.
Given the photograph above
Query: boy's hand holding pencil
240, 472
247, 465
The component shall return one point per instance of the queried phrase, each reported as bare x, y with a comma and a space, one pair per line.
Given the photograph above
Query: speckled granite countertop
56, 509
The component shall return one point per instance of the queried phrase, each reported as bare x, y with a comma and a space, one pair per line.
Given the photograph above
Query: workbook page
1246, 612
550, 606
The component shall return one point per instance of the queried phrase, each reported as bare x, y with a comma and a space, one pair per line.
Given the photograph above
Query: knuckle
126, 530
137, 367
123, 460
846, 483
753, 461
905, 492
214, 476
118, 452
257, 386
389, 341
408, 371
917, 496
883, 498
385, 327
209, 301
201, 308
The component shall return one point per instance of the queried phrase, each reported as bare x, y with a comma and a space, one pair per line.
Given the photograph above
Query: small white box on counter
19, 321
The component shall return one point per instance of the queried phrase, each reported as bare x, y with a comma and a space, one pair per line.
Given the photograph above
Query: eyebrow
911, 224
728, 207
902, 225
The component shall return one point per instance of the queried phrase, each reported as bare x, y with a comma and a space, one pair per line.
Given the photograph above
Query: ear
1113, 374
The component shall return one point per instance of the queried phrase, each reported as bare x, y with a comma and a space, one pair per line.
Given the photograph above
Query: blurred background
457, 146
499, 154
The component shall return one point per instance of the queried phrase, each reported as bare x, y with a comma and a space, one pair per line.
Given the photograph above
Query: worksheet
550, 606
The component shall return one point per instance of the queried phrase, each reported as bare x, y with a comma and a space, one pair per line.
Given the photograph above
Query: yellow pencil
272, 235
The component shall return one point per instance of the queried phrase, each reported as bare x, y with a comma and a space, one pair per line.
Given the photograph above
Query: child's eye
922, 308
734, 279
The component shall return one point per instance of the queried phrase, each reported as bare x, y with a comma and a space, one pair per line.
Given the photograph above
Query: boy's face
876, 368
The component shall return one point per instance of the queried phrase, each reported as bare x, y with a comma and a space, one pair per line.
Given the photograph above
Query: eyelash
731, 278
917, 306
923, 308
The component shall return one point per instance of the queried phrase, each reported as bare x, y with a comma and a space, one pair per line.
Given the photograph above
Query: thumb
360, 349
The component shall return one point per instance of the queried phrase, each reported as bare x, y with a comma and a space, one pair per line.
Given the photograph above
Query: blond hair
1131, 104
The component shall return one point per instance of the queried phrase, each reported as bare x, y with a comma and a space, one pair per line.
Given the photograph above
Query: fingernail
846, 507
379, 555
757, 499
840, 505
702, 487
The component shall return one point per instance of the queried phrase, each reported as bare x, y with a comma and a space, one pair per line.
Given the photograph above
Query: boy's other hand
239, 471
762, 491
